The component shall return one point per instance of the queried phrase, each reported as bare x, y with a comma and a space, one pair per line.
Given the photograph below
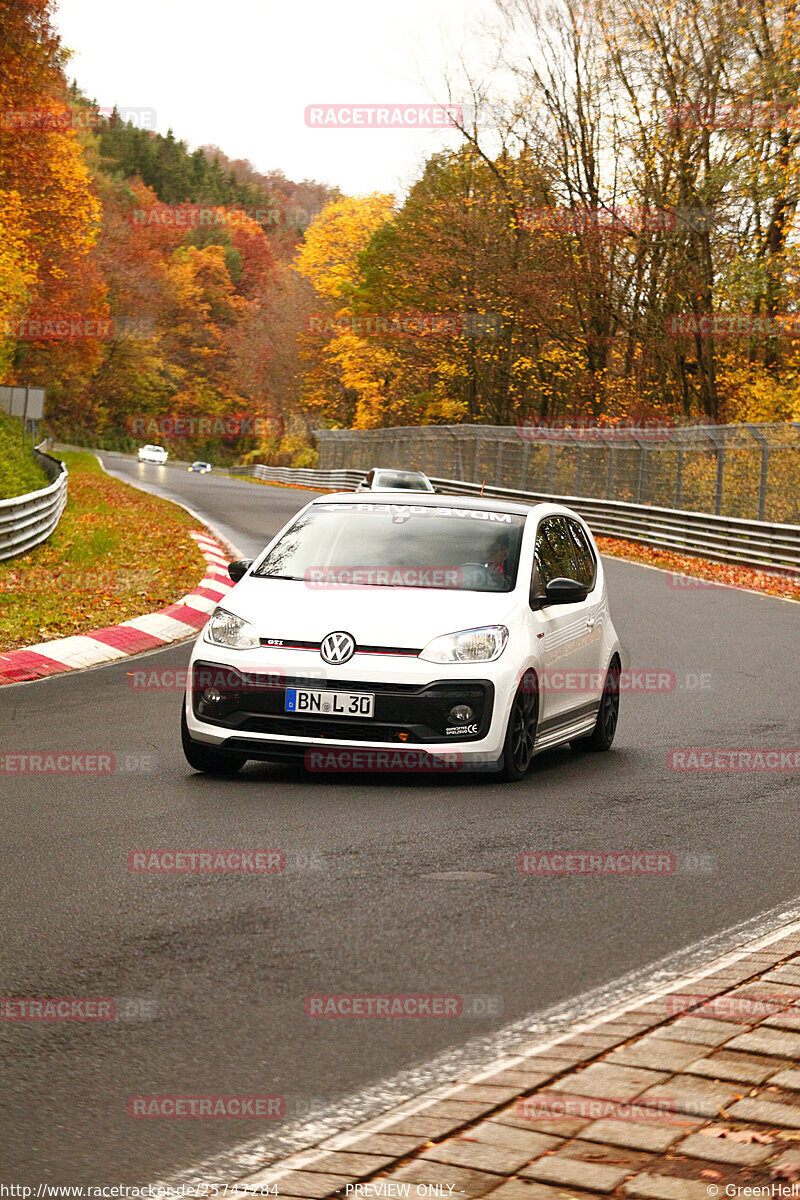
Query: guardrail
337, 480
723, 539
27, 520
748, 470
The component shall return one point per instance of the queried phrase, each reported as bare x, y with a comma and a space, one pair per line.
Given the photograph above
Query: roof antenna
483, 485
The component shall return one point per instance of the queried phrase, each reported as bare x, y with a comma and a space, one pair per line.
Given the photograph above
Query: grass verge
117, 553
19, 471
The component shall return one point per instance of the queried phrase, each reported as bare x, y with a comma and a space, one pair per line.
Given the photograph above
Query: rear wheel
206, 758
605, 726
521, 731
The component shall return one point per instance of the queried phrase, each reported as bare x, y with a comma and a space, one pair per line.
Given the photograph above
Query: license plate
329, 704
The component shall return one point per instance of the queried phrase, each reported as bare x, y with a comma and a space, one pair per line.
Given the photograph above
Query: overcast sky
241, 74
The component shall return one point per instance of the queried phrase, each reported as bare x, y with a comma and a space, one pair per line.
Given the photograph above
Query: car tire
521, 730
206, 758
602, 736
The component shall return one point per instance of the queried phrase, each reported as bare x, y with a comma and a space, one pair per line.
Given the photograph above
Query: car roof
397, 471
436, 500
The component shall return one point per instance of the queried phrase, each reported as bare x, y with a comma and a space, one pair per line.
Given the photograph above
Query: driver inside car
498, 555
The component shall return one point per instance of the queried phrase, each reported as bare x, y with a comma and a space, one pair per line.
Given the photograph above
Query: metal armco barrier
27, 520
723, 539
338, 480
748, 470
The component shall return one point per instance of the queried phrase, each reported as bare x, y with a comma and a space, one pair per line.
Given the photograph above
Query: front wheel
521, 731
206, 758
605, 726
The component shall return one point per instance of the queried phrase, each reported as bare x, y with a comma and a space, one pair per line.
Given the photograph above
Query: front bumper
244, 703
413, 700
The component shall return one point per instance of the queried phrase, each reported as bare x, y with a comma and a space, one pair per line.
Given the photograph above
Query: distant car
153, 454
201, 467
381, 479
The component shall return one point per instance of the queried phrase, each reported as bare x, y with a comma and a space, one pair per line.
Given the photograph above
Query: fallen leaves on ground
788, 1172
688, 572
117, 553
745, 1136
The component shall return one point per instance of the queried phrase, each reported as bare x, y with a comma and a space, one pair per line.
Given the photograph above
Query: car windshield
399, 545
401, 479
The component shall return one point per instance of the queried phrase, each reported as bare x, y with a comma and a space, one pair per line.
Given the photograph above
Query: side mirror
239, 568
565, 591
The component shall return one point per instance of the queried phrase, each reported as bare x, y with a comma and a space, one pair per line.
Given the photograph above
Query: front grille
295, 644
403, 712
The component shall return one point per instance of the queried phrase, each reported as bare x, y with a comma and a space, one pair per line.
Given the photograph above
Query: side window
585, 561
554, 555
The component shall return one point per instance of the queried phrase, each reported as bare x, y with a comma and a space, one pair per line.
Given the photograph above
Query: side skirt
567, 726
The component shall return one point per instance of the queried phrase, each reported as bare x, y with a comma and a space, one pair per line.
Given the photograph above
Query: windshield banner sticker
402, 512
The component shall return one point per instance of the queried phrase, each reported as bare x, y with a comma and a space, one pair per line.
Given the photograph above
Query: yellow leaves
756, 396
329, 255
17, 265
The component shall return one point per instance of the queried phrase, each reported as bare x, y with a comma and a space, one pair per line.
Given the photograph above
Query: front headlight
224, 629
470, 645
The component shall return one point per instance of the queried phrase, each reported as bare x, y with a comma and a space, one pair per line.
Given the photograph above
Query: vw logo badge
338, 647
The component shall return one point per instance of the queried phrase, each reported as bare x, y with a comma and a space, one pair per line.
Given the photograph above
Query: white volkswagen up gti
440, 633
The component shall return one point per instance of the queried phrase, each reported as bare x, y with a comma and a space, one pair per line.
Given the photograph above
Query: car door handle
591, 622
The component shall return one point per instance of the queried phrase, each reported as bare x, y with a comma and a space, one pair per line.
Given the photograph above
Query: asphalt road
215, 967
